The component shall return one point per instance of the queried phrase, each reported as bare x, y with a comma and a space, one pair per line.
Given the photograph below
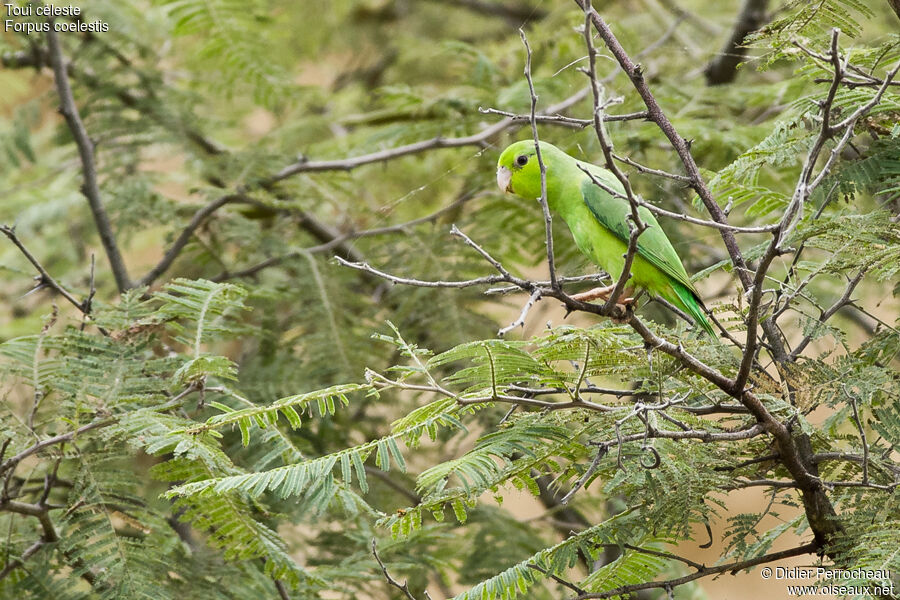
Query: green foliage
813, 20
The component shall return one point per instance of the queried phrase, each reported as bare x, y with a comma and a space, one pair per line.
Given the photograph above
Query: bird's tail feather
686, 301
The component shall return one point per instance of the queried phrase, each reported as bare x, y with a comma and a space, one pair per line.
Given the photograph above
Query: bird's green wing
612, 212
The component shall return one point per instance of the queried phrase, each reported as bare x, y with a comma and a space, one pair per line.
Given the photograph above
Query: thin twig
649, 171
733, 567
508, 289
486, 280
520, 322
841, 302
57, 439
185, 236
557, 579
562, 119
403, 587
668, 555
602, 450
45, 277
545, 208
703, 222
862, 435
303, 165
455, 232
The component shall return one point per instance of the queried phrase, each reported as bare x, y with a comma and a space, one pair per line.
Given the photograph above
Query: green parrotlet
598, 221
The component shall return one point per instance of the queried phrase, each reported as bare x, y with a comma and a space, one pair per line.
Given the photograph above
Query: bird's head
518, 170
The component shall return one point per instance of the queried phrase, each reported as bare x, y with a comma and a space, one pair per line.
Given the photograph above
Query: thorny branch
45, 279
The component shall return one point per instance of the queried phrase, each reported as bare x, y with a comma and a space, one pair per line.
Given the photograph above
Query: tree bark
723, 68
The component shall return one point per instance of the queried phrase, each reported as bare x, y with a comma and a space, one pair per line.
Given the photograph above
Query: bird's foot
622, 311
599, 292
603, 294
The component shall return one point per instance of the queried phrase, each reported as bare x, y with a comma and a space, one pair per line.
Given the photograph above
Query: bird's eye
521, 160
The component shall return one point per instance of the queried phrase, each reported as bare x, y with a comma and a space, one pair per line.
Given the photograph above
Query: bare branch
548, 220
45, 277
563, 120
642, 169
488, 279
602, 449
668, 555
600, 277
185, 236
557, 578
480, 139
840, 303
733, 567
403, 587
91, 188
520, 322
587, 389
57, 439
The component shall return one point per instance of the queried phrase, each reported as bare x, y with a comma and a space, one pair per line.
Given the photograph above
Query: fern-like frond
264, 416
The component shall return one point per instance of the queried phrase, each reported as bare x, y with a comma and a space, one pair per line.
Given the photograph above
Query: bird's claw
622, 312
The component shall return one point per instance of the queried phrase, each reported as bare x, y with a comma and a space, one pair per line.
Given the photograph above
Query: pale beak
504, 177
